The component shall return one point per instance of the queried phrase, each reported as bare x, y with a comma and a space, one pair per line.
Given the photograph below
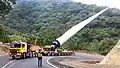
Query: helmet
40, 50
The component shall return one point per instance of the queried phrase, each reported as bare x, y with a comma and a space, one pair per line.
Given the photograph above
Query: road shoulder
56, 61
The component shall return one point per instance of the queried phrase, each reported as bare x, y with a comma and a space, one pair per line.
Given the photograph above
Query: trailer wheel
59, 54
74, 53
69, 54
66, 53
48, 54
62, 54
55, 54
52, 54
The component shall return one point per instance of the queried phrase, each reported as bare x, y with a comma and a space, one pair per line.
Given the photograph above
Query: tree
49, 19
3, 34
17, 37
6, 6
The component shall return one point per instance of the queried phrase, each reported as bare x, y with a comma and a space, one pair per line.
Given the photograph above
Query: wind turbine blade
77, 27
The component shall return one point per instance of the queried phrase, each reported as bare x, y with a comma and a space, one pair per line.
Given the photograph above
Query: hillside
49, 19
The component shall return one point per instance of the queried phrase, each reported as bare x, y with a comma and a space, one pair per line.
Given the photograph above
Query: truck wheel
31, 54
13, 57
24, 55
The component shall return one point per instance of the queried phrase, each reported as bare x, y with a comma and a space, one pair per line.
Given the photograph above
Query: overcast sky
110, 3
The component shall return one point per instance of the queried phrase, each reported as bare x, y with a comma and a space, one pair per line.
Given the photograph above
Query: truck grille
13, 51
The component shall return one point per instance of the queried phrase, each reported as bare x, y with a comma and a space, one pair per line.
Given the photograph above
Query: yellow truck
46, 51
19, 49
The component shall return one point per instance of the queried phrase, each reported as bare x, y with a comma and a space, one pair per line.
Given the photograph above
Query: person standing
40, 58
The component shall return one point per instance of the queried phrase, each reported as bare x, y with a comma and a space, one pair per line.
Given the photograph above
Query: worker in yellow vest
40, 57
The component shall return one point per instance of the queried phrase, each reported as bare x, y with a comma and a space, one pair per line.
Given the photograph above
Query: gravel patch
70, 62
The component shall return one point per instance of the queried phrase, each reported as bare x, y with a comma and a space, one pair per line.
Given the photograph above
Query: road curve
28, 63
32, 62
79, 56
4, 60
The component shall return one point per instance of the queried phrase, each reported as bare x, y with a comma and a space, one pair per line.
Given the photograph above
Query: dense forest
47, 20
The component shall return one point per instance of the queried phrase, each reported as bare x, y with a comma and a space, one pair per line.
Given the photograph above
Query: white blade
76, 28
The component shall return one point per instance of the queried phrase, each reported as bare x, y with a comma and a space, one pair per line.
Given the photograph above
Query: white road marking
8, 63
50, 63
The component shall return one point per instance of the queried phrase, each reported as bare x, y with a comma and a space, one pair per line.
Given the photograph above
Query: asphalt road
32, 62
28, 63
79, 56
4, 60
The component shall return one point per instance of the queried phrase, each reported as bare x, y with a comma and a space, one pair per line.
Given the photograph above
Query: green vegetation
48, 20
6, 6
3, 34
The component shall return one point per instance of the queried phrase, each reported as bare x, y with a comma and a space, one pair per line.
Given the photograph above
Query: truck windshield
16, 46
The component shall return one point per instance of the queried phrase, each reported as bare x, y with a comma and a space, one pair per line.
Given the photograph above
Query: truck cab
19, 49
47, 50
